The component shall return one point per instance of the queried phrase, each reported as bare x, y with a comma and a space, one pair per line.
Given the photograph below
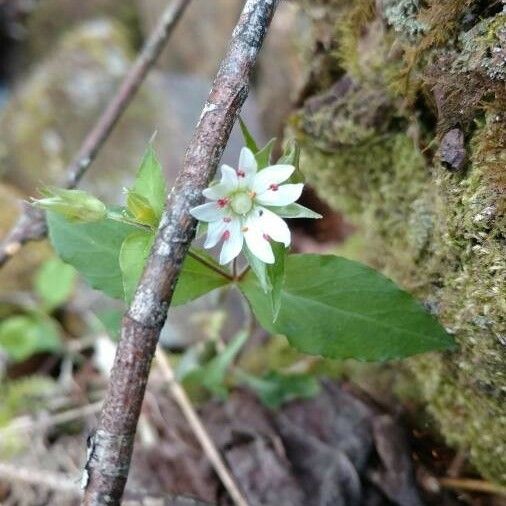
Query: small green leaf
110, 320
150, 182
212, 375
248, 138
132, 258
76, 205
276, 275
263, 157
196, 279
295, 211
274, 389
259, 268
22, 336
291, 156
338, 308
54, 283
141, 210
92, 248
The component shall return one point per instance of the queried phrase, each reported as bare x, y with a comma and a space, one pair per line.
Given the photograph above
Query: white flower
243, 205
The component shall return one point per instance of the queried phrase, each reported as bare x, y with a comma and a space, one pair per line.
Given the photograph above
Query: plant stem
31, 225
112, 444
192, 253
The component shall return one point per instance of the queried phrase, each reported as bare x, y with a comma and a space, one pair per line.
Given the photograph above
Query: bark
112, 443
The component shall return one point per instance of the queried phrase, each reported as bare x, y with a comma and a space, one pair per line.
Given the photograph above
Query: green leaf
22, 336
92, 248
197, 279
259, 268
338, 308
110, 320
141, 210
150, 181
263, 157
248, 138
132, 258
291, 156
295, 211
276, 275
54, 283
274, 388
212, 375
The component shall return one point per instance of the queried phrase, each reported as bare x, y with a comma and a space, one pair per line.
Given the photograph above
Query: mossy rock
50, 114
439, 232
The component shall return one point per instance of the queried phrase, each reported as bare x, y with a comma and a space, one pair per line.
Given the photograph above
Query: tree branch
31, 225
113, 441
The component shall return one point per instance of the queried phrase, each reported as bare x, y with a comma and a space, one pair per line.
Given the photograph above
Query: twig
113, 441
54, 481
50, 421
31, 225
472, 485
198, 428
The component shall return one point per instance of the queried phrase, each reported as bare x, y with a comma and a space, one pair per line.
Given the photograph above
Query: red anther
240, 173
227, 219
266, 237
225, 235
223, 202
274, 187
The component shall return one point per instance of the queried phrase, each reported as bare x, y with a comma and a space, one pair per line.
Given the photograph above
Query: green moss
438, 234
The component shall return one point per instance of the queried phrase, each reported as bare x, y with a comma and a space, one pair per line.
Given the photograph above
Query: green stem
123, 219
209, 265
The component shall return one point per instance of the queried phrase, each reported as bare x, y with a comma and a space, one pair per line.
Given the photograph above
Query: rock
47, 118
438, 233
452, 150
201, 37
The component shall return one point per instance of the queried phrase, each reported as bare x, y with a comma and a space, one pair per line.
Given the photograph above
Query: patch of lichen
438, 234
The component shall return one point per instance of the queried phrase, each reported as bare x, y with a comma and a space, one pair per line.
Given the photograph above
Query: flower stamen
274, 187
223, 202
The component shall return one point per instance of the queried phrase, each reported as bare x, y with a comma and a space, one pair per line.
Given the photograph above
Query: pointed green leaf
338, 308
274, 389
291, 156
212, 375
259, 268
92, 248
132, 258
249, 140
276, 275
150, 181
295, 211
54, 283
196, 279
263, 157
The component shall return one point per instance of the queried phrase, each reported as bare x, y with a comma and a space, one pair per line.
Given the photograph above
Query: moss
438, 234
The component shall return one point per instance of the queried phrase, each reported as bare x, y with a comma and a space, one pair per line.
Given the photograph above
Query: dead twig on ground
31, 225
113, 441
185, 405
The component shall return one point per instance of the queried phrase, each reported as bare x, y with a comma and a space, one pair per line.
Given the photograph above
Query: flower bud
140, 208
75, 205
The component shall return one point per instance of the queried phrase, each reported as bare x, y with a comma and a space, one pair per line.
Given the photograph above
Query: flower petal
229, 178
281, 196
208, 212
247, 163
256, 242
275, 227
217, 191
215, 231
232, 245
275, 174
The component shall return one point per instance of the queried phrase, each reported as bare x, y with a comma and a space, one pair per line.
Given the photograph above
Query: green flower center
241, 203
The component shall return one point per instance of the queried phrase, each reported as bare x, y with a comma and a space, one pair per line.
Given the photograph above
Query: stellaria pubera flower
243, 208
